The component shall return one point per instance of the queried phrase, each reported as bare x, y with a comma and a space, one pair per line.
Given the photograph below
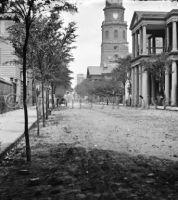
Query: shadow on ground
66, 172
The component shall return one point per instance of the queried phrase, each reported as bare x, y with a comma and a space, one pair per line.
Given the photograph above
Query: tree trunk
113, 102
37, 114
52, 96
153, 95
26, 132
47, 103
43, 108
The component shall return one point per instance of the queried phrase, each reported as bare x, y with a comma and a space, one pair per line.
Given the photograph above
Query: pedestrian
107, 101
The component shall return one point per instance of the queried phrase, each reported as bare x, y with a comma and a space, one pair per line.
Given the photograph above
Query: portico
152, 34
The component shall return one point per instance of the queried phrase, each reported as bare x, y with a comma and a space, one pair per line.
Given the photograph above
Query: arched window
115, 33
106, 34
124, 36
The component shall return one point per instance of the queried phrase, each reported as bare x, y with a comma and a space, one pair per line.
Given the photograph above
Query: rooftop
155, 15
94, 70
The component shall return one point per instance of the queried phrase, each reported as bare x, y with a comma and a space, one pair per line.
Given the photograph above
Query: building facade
152, 34
114, 40
8, 68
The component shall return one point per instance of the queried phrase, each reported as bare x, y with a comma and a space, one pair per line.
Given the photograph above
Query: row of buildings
153, 33
10, 72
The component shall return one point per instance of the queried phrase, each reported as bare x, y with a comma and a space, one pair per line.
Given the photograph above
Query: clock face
115, 15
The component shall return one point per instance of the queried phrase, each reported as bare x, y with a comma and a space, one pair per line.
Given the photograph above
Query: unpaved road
62, 169
129, 130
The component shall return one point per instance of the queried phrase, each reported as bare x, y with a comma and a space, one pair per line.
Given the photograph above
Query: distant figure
141, 96
57, 102
66, 97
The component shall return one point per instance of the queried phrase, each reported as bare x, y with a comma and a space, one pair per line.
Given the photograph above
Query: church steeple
114, 33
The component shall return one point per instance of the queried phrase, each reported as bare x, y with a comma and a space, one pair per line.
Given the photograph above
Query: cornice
169, 17
144, 22
172, 19
114, 7
114, 23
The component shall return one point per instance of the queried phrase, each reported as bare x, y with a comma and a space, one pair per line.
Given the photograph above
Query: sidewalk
12, 126
168, 108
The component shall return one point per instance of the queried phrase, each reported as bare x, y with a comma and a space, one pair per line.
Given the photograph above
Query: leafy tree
26, 11
101, 88
85, 88
122, 72
49, 51
156, 66
53, 50
107, 88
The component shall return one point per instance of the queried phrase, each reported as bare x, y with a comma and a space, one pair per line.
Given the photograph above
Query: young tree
53, 50
49, 52
26, 11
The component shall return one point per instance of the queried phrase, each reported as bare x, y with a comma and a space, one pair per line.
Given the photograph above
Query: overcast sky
89, 20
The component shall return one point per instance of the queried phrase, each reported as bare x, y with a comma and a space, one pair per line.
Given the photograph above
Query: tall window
106, 34
115, 33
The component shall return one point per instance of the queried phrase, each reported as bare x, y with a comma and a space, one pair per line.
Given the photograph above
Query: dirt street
129, 130
96, 154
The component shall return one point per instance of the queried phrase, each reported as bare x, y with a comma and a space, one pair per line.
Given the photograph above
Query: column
167, 86
133, 45
145, 88
141, 41
149, 45
174, 84
167, 38
136, 86
164, 43
144, 40
154, 45
174, 36
132, 82
140, 83
136, 44
152, 89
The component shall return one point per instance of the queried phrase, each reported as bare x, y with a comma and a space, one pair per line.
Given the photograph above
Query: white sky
89, 20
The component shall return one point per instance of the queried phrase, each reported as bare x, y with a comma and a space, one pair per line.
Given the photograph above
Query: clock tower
114, 34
